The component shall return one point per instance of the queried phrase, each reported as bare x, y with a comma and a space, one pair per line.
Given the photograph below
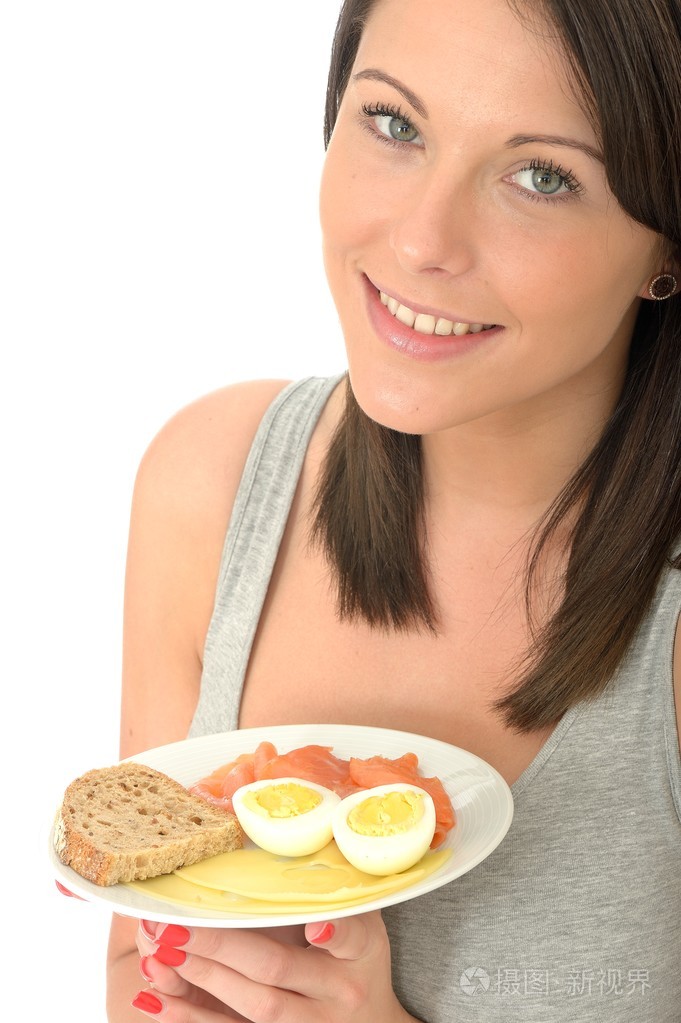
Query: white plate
481, 799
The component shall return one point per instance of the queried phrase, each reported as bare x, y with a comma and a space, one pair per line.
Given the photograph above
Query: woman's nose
433, 230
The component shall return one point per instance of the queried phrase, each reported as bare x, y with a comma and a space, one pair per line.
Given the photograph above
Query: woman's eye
389, 123
545, 180
395, 128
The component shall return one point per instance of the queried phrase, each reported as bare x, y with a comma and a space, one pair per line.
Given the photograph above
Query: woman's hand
326, 973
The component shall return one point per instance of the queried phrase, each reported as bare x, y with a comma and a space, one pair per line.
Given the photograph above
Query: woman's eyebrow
556, 140
376, 75
373, 74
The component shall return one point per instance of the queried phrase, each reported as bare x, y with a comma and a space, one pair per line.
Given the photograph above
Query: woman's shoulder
183, 495
226, 417
204, 446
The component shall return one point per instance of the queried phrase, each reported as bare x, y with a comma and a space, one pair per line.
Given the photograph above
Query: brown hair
625, 500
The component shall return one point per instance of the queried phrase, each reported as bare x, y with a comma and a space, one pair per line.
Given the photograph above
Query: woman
501, 214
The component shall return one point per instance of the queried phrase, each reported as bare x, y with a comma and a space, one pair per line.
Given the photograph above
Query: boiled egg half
286, 816
386, 829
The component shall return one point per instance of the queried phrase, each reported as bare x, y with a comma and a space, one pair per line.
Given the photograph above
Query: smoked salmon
320, 765
219, 787
313, 763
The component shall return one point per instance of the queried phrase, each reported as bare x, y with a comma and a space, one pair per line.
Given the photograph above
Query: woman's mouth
425, 334
426, 323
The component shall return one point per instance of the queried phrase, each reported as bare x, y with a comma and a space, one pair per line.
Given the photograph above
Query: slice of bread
130, 822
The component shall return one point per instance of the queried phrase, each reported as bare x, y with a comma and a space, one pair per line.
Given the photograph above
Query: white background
159, 167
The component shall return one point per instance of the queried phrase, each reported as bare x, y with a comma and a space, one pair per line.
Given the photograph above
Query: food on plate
311, 763
329, 832
315, 763
320, 765
385, 829
129, 822
376, 771
258, 883
287, 816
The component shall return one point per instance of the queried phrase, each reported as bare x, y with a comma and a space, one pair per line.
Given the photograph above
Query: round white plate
481, 799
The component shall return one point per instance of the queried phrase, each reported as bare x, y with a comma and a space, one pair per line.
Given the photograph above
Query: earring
663, 286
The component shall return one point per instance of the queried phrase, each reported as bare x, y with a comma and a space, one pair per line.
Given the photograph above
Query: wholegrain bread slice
129, 822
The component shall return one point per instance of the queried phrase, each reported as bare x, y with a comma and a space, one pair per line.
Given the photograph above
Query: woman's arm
182, 500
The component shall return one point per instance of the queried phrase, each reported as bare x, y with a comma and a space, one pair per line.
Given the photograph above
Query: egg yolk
282, 801
389, 814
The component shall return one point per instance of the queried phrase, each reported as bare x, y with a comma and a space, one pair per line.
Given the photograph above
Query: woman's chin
397, 405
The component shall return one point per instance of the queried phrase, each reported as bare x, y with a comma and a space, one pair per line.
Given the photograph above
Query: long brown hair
625, 499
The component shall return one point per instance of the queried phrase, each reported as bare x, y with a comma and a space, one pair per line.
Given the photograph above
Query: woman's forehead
477, 61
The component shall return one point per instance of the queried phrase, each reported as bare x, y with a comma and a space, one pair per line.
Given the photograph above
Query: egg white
299, 835
384, 854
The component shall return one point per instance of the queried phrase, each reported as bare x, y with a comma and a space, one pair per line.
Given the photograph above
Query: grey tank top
577, 914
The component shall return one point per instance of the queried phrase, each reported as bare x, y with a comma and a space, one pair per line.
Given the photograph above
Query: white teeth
405, 316
424, 323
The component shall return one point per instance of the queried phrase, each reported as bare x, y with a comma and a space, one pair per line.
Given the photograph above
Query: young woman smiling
483, 526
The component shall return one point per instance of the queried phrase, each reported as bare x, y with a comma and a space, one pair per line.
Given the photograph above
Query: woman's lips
423, 334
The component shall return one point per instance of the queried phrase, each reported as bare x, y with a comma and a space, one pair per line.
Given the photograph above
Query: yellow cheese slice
324, 876
253, 881
170, 888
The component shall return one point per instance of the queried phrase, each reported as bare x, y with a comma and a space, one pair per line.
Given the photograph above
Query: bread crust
130, 822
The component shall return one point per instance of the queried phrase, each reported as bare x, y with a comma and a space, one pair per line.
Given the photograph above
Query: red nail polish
173, 934
143, 968
325, 933
69, 894
148, 1003
170, 956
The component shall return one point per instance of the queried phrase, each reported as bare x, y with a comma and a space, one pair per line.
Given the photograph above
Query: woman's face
463, 181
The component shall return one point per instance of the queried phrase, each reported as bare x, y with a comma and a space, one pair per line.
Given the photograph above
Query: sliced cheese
258, 882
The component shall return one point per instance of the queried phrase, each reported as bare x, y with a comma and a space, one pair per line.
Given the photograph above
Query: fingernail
325, 933
170, 956
148, 929
65, 891
173, 934
148, 1003
144, 969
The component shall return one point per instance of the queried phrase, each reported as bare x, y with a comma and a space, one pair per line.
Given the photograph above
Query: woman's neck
513, 464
